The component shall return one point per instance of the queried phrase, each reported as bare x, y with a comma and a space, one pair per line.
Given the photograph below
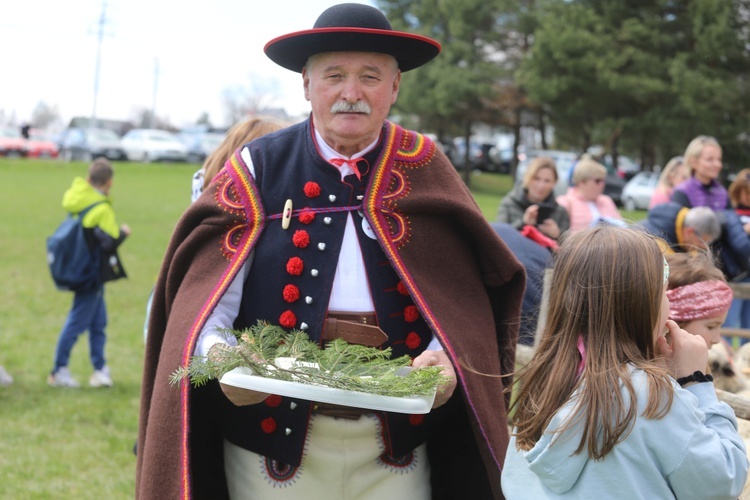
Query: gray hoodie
692, 452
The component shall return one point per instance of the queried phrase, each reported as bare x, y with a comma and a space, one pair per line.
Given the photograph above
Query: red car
39, 145
11, 142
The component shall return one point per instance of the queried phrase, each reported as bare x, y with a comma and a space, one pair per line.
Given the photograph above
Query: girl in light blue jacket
614, 403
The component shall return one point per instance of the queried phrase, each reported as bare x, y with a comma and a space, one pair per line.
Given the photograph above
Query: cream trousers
342, 461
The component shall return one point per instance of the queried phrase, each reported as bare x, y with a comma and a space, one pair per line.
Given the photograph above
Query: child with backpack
88, 312
615, 402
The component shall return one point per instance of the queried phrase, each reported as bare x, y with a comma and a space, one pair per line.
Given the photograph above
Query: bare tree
45, 115
255, 98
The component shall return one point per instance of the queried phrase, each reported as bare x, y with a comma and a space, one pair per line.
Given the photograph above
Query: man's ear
306, 83
396, 84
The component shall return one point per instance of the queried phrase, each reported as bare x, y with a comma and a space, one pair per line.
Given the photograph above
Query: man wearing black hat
343, 226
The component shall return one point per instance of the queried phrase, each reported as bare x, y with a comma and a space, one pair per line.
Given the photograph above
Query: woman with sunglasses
585, 201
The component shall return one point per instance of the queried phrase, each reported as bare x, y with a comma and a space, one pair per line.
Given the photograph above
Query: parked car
40, 144
457, 154
11, 142
564, 162
88, 143
500, 158
201, 144
637, 193
150, 145
626, 166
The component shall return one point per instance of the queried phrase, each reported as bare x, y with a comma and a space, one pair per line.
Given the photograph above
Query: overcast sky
201, 48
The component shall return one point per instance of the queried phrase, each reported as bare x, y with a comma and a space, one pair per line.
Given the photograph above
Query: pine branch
272, 352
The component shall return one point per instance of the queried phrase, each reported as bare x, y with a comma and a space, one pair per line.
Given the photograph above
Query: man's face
351, 94
692, 240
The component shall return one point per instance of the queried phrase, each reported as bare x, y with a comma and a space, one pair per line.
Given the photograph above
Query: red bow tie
352, 163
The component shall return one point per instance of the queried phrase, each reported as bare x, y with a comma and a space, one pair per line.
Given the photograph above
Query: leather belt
336, 411
355, 328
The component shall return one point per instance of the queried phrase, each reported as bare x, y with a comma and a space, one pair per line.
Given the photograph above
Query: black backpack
73, 263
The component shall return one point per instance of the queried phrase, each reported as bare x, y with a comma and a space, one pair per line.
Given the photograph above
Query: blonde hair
740, 184
586, 169
686, 268
535, 166
666, 178
607, 288
241, 133
695, 148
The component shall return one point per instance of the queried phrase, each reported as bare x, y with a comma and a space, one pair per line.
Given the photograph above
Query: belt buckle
337, 411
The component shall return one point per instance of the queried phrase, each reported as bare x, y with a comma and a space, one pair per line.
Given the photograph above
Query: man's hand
237, 395
438, 358
242, 397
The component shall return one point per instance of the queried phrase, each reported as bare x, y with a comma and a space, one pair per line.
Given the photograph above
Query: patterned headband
701, 300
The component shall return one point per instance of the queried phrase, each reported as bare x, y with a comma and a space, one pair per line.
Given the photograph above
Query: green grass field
58, 443
63, 443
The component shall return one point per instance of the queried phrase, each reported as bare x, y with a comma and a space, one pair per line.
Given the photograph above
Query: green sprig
339, 364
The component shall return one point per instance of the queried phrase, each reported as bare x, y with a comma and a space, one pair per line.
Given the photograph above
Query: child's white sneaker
5, 378
62, 378
101, 378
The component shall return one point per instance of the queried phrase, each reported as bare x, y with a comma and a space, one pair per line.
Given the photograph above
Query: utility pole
100, 35
156, 86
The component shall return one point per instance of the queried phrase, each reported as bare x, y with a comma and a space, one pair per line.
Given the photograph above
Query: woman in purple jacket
702, 189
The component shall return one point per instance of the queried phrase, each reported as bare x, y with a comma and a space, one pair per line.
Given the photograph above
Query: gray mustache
351, 107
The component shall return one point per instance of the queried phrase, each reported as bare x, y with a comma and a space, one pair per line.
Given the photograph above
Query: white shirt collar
327, 152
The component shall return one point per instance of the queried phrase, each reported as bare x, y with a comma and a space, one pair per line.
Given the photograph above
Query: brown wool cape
462, 277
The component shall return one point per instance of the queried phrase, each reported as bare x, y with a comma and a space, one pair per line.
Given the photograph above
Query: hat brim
292, 51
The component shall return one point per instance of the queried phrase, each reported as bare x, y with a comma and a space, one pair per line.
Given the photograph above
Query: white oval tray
243, 377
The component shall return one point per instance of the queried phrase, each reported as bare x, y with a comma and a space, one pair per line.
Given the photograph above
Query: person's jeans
88, 313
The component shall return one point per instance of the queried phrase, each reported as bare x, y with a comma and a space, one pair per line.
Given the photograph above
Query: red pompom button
273, 401
413, 340
301, 239
291, 293
268, 425
287, 319
306, 216
411, 314
294, 266
402, 288
416, 419
312, 189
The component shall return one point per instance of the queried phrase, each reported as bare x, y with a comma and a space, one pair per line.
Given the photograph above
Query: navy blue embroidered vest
290, 283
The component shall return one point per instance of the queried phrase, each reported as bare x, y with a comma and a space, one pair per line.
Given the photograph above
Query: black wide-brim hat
351, 27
